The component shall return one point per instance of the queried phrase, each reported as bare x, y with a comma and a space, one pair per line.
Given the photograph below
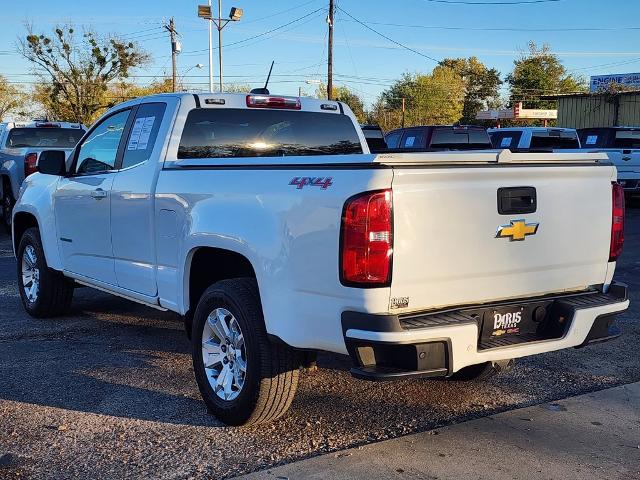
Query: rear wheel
481, 371
44, 292
243, 377
7, 208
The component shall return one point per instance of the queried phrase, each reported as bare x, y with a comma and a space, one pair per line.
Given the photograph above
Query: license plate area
505, 325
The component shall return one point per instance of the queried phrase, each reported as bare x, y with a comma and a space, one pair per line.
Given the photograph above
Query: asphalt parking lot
108, 392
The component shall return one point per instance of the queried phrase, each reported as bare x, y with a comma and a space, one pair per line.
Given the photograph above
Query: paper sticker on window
591, 139
140, 133
505, 142
409, 141
136, 131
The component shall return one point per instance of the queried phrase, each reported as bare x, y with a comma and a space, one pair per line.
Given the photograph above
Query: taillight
30, 164
617, 221
367, 240
266, 101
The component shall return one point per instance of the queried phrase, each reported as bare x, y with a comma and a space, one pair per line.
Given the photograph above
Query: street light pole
210, 54
220, 27
204, 11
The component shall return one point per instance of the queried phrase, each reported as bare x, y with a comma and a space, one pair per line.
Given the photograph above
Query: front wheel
44, 292
244, 378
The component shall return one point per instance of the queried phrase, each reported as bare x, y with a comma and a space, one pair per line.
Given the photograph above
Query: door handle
99, 193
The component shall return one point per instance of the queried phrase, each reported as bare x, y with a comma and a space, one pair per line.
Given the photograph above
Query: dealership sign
601, 82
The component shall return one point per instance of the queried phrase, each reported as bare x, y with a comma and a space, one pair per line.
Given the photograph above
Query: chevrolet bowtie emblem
517, 230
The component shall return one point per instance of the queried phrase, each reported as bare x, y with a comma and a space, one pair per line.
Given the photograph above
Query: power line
260, 34
503, 29
386, 37
517, 2
280, 12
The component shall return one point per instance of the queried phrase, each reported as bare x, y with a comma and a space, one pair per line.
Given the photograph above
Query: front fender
36, 198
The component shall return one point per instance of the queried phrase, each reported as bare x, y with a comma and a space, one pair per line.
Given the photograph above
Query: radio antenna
264, 90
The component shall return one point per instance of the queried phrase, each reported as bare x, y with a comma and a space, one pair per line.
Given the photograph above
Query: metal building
583, 110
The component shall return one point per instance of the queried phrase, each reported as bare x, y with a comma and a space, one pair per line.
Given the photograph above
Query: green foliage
11, 98
540, 72
78, 72
481, 85
429, 99
343, 94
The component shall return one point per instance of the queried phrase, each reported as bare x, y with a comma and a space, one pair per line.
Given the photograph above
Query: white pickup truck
265, 222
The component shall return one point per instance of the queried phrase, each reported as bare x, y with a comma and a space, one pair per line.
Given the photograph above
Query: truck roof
240, 100
42, 124
531, 129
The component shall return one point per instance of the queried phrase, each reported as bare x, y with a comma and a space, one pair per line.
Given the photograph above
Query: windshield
227, 133
44, 137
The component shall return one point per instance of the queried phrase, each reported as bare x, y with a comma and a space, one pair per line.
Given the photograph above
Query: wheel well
210, 265
21, 222
5, 185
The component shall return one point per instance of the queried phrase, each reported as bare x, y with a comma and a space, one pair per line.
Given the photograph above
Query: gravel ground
108, 392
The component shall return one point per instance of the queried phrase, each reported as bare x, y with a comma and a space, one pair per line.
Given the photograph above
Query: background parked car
518, 139
20, 147
622, 145
439, 137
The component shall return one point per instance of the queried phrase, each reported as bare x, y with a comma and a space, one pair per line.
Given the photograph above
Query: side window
99, 150
144, 132
393, 139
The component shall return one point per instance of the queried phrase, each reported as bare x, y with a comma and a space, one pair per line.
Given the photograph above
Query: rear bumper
436, 344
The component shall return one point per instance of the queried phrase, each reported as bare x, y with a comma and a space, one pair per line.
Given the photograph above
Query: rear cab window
505, 139
231, 133
460, 138
414, 138
594, 137
44, 137
554, 140
626, 139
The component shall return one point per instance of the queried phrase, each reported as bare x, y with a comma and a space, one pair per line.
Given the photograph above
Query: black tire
481, 371
55, 292
7, 207
272, 372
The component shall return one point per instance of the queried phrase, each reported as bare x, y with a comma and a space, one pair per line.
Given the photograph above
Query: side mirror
53, 162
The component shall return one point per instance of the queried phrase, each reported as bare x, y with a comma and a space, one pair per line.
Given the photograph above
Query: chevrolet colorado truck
267, 224
20, 146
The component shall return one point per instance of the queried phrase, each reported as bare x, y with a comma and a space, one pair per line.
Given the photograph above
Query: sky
590, 36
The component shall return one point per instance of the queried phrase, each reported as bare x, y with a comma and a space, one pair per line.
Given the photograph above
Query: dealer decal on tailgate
506, 323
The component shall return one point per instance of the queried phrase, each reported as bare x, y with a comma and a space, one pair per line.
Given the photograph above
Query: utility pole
210, 53
330, 53
174, 51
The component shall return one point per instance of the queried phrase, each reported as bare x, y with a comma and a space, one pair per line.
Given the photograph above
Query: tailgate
446, 249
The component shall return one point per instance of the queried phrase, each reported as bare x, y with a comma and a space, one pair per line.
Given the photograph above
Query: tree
540, 72
481, 85
429, 99
11, 98
343, 94
78, 73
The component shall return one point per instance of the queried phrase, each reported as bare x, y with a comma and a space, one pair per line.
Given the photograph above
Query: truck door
133, 198
82, 202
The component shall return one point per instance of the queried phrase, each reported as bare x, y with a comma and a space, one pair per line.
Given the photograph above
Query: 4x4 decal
301, 182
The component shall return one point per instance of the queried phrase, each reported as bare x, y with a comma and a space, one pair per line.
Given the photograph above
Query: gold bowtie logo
517, 230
